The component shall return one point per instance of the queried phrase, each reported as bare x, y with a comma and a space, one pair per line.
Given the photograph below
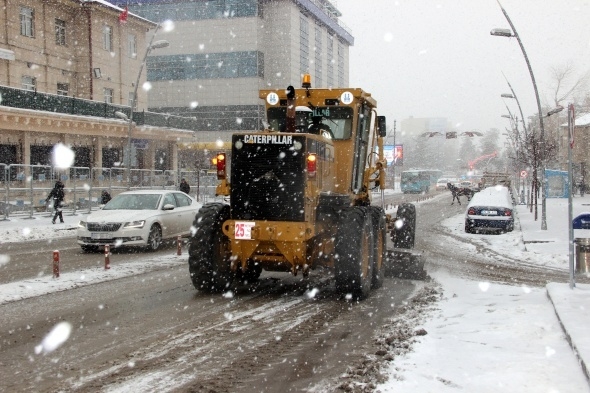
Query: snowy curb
33, 287
564, 300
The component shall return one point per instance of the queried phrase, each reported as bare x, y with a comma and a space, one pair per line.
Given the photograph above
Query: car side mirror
168, 206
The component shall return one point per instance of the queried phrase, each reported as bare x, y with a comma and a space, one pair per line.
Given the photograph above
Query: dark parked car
491, 209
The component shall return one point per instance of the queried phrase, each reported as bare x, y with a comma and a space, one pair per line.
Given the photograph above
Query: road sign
523, 173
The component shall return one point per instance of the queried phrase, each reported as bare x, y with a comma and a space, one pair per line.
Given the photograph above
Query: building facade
222, 52
65, 52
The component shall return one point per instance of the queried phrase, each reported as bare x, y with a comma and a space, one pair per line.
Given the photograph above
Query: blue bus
419, 180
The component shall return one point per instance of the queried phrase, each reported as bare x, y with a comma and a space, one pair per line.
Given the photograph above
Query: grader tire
380, 248
208, 248
354, 253
405, 231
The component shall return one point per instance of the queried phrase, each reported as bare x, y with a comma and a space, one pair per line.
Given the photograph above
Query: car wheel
468, 228
155, 238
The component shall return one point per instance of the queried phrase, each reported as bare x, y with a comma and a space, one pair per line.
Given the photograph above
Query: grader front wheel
354, 253
380, 247
209, 263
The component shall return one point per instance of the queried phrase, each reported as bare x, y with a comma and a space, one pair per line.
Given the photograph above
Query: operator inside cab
302, 118
319, 128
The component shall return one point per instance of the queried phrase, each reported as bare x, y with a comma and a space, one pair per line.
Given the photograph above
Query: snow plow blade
405, 263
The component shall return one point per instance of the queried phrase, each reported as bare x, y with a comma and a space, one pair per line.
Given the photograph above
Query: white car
491, 209
141, 218
441, 184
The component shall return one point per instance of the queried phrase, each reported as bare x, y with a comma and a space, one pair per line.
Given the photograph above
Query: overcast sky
436, 58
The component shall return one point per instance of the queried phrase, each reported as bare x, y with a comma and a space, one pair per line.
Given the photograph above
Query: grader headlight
220, 163
311, 165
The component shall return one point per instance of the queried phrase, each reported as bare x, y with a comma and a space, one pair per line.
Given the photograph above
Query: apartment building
58, 54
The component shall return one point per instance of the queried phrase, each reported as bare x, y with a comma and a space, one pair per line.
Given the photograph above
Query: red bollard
179, 245
107, 253
56, 264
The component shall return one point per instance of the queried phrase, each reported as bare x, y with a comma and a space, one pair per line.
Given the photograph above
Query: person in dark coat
185, 187
455, 191
105, 197
58, 195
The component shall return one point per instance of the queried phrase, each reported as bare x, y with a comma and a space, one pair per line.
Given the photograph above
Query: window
318, 57
60, 32
340, 64
330, 56
205, 66
62, 89
108, 96
169, 200
182, 200
303, 45
197, 10
131, 46
27, 26
107, 38
29, 83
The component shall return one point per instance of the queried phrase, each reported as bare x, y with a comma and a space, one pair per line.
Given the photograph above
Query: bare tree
566, 85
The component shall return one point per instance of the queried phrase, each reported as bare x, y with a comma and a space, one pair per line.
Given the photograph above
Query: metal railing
26, 99
24, 188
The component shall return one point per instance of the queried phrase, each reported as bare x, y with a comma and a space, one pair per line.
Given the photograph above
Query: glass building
222, 52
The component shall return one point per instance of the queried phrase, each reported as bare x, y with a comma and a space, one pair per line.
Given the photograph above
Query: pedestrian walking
185, 187
105, 197
58, 195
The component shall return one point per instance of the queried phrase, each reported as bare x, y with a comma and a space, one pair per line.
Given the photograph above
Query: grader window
339, 119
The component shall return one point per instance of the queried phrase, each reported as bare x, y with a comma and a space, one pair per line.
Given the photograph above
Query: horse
460, 191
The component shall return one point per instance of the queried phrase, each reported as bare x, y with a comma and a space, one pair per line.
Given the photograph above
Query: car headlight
135, 224
82, 224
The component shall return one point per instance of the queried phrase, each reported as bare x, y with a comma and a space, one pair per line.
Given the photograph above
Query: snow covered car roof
498, 196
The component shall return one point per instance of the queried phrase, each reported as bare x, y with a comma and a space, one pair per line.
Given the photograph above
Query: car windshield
134, 202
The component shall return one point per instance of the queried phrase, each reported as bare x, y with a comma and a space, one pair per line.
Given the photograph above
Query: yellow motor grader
300, 197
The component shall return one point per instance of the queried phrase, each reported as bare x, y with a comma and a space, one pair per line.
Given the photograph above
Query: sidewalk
571, 305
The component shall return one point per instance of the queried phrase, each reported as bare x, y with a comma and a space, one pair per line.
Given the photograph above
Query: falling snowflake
58, 335
63, 156
168, 25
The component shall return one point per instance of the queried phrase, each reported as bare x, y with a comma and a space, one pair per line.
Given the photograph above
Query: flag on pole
123, 15
571, 122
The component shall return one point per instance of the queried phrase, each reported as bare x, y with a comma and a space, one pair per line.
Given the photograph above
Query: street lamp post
393, 163
525, 139
513, 33
152, 45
